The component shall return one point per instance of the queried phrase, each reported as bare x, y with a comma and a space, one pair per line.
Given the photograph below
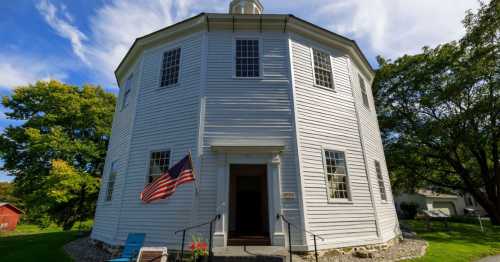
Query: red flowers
199, 248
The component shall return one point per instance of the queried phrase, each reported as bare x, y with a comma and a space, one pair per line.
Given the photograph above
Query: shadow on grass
36, 247
460, 242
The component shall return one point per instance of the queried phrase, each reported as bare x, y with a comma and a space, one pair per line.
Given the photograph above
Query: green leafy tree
439, 113
7, 194
57, 155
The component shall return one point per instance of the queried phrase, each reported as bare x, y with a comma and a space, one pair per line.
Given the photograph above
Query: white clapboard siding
248, 111
374, 151
210, 106
327, 118
106, 216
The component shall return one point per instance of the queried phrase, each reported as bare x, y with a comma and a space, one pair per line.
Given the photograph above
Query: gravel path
490, 259
81, 250
406, 249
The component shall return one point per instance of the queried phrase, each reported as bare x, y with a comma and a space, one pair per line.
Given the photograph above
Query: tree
57, 155
439, 113
7, 194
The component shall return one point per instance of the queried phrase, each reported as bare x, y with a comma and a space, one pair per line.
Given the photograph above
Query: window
380, 180
247, 58
170, 67
336, 172
322, 69
111, 181
158, 164
362, 85
126, 94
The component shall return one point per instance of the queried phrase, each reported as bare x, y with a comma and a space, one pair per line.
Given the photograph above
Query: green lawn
462, 242
30, 243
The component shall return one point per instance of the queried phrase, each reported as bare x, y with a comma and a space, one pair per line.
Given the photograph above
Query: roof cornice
265, 22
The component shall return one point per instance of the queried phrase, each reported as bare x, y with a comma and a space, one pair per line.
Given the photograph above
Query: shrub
409, 210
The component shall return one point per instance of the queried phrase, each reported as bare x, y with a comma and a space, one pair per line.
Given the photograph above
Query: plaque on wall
288, 195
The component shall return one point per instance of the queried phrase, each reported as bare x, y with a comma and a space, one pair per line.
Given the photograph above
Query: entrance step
250, 253
249, 241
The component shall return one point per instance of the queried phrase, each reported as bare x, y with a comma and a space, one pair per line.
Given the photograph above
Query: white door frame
248, 155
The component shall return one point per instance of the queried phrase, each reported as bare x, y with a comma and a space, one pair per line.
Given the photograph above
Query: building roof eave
290, 23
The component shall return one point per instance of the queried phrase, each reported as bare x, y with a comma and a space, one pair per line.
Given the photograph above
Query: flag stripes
165, 185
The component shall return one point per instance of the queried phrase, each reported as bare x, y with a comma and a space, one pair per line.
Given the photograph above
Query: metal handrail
210, 254
280, 216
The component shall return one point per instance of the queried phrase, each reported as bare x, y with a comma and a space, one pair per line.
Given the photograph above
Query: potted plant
199, 249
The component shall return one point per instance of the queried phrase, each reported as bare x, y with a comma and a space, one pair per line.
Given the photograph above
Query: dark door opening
248, 209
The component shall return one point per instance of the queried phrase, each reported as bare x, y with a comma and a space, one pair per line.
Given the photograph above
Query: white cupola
247, 7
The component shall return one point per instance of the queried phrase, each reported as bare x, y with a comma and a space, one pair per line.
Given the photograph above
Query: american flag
165, 185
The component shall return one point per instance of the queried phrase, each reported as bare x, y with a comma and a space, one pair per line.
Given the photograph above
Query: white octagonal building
279, 117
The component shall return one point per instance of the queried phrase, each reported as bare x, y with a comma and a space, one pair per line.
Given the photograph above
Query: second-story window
170, 67
158, 164
362, 85
247, 58
127, 90
322, 69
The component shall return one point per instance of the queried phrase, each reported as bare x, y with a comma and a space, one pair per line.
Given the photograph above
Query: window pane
380, 179
362, 85
127, 89
111, 181
337, 174
247, 58
322, 69
158, 164
170, 67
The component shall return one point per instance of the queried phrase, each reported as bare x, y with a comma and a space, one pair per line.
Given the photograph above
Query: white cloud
61, 23
387, 27
116, 25
395, 27
16, 70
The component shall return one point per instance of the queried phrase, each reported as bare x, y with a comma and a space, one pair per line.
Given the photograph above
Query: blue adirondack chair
132, 247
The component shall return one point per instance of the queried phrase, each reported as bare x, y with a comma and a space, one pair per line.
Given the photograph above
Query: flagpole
194, 173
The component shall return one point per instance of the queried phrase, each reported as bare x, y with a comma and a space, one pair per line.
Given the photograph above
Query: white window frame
330, 199
127, 89
364, 91
261, 69
380, 181
148, 159
311, 53
179, 78
111, 181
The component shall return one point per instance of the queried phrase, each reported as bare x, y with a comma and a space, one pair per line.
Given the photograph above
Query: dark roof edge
356, 47
358, 50
12, 206
150, 34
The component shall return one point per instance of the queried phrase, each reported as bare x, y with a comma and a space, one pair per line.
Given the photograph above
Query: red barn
9, 216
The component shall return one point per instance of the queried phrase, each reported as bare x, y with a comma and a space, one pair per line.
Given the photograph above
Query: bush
409, 210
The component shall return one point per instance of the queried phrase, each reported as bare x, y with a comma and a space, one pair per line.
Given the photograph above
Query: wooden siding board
327, 118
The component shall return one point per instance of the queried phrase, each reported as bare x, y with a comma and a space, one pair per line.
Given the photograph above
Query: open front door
248, 207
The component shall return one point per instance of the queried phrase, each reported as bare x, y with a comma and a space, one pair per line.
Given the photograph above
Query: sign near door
288, 195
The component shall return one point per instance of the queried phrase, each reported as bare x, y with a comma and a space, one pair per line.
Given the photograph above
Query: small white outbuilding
279, 116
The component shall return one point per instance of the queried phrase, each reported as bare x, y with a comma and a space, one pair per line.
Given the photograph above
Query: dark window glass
380, 179
322, 69
247, 58
170, 67
111, 181
336, 172
363, 91
158, 164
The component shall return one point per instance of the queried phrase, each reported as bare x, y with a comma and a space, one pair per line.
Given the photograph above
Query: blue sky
83, 41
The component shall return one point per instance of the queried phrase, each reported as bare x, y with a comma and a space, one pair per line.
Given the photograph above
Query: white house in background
451, 204
279, 116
